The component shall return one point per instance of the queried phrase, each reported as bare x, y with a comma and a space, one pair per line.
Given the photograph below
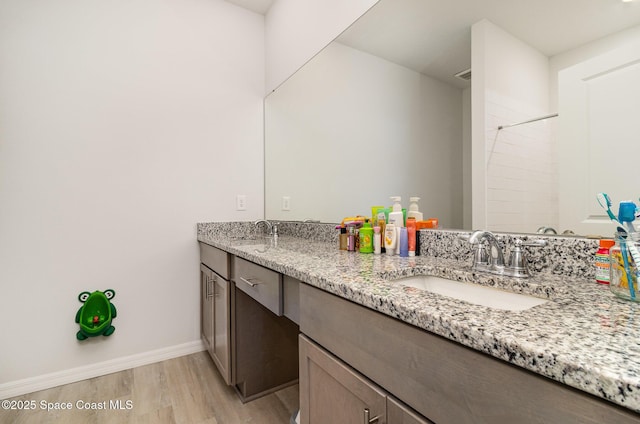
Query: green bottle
366, 238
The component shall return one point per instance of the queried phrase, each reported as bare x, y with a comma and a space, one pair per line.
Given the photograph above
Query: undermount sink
473, 293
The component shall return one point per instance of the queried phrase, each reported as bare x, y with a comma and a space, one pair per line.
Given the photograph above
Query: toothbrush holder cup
624, 267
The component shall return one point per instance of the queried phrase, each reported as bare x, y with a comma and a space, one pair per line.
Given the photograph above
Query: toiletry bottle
603, 263
404, 242
396, 216
366, 238
382, 223
413, 209
390, 238
377, 240
411, 234
374, 214
351, 237
342, 238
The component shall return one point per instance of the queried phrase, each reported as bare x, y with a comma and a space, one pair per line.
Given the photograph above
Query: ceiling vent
464, 75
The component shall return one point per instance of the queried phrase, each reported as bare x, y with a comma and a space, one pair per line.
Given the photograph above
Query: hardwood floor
187, 390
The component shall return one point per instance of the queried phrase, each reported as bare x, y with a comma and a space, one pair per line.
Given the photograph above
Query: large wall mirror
388, 109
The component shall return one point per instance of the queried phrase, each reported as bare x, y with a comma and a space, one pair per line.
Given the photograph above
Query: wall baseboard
47, 381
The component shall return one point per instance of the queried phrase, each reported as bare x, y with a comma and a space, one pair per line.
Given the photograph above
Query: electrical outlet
241, 202
286, 203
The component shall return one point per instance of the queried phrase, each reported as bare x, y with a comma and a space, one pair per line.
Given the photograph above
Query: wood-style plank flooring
187, 390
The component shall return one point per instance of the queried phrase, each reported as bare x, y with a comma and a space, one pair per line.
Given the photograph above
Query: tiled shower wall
521, 167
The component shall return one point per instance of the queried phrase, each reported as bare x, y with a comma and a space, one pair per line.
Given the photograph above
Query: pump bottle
413, 209
396, 216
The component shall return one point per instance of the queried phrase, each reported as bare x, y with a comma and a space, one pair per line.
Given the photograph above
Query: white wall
518, 166
403, 131
296, 30
584, 53
123, 124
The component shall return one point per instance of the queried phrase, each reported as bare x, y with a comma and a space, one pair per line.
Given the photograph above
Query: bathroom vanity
371, 348
252, 344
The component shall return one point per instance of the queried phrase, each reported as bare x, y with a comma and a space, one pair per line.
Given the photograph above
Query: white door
598, 138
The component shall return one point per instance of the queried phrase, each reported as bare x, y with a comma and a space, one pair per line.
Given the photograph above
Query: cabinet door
215, 319
221, 349
599, 102
206, 307
332, 392
399, 413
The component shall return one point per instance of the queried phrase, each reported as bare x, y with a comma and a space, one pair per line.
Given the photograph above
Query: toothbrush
605, 203
626, 216
625, 261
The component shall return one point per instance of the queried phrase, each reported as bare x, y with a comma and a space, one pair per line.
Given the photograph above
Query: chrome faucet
266, 223
493, 260
546, 230
271, 226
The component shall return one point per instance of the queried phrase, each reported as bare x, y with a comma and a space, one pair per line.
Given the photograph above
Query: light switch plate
241, 202
286, 203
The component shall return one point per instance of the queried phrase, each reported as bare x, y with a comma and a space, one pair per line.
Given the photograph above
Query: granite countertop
583, 336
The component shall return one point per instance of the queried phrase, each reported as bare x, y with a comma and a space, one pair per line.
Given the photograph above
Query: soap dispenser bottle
413, 209
396, 216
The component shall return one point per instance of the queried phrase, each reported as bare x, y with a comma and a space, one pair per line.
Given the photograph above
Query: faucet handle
517, 258
274, 228
533, 243
480, 255
464, 237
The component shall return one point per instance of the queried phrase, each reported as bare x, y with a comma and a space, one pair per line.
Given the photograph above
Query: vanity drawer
262, 284
215, 259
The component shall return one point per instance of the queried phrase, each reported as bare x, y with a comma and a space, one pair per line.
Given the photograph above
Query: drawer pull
211, 285
367, 417
248, 281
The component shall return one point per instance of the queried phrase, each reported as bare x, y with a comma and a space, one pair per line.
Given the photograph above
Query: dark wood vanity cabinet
215, 310
438, 378
249, 338
333, 392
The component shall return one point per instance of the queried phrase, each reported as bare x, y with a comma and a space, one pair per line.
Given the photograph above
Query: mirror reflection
380, 112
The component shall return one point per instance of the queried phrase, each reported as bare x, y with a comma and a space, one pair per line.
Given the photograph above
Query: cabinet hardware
367, 417
214, 279
209, 281
248, 281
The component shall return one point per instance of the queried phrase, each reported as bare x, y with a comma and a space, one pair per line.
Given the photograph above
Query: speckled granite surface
583, 336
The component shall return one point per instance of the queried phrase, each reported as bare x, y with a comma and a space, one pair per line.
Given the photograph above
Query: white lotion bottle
390, 238
397, 218
396, 215
413, 211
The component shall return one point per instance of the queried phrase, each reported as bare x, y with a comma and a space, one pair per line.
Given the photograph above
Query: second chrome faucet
271, 226
488, 256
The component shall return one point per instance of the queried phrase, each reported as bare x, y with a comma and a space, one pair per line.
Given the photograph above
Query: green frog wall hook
96, 314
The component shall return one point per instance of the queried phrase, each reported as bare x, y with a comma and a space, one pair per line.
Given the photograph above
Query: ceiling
434, 36
258, 6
